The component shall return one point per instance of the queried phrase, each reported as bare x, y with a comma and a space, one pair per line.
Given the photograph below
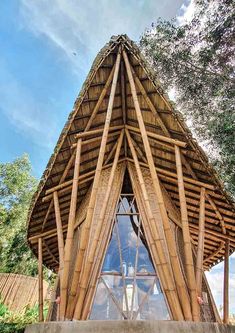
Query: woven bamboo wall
18, 291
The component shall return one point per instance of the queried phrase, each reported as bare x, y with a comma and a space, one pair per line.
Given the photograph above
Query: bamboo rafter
87, 225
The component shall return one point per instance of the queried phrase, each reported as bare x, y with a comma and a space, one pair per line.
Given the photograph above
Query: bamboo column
190, 272
170, 241
60, 238
70, 232
40, 280
59, 230
164, 270
200, 246
90, 210
226, 284
84, 277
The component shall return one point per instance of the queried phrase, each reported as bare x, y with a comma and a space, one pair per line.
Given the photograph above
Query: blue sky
47, 48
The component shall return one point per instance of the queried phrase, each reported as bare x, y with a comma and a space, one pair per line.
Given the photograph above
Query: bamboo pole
167, 133
158, 136
226, 284
100, 100
72, 157
164, 269
95, 139
65, 187
200, 246
190, 272
40, 280
123, 98
186, 179
90, 210
84, 276
59, 229
149, 103
97, 131
101, 250
70, 232
170, 241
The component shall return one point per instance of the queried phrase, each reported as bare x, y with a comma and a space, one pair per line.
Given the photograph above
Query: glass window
128, 286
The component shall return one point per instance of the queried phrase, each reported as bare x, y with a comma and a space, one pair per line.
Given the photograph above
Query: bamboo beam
186, 237
66, 186
167, 133
200, 245
149, 102
164, 269
96, 138
66, 170
101, 97
90, 210
214, 233
170, 241
215, 253
72, 157
186, 179
213, 205
40, 280
84, 276
111, 153
226, 284
70, 232
123, 99
97, 131
158, 136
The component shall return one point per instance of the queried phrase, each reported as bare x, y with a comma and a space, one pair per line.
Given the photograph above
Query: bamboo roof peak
165, 129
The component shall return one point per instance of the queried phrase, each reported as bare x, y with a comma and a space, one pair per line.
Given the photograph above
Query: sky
47, 48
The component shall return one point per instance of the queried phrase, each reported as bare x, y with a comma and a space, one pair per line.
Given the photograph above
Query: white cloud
215, 279
25, 113
186, 12
83, 27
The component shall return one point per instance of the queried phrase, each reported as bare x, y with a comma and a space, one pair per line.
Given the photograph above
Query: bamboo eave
164, 127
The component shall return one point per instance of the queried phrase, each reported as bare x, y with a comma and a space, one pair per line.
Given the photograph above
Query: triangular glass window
128, 286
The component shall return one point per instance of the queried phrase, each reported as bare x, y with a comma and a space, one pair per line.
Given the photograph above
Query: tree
17, 186
196, 60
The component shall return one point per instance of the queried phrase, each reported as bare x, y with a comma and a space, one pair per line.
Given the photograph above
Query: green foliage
15, 322
196, 60
16, 188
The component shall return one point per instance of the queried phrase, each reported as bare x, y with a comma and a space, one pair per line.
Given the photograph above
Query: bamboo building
129, 213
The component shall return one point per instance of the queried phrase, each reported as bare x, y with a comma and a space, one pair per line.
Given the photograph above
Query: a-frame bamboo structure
124, 127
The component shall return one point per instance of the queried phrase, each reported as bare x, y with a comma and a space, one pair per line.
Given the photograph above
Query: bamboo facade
128, 182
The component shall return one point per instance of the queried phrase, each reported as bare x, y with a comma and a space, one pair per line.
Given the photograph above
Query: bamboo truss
124, 123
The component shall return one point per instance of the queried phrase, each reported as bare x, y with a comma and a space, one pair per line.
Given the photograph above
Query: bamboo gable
125, 154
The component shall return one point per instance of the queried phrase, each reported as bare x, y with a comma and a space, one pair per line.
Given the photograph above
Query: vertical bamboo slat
200, 246
70, 231
181, 288
190, 272
226, 284
40, 280
87, 224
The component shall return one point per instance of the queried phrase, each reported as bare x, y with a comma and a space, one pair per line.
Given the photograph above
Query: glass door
128, 286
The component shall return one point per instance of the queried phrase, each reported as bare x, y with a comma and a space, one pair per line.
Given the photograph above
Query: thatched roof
220, 213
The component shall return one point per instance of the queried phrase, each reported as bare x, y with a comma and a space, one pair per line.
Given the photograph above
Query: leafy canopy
196, 60
17, 186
